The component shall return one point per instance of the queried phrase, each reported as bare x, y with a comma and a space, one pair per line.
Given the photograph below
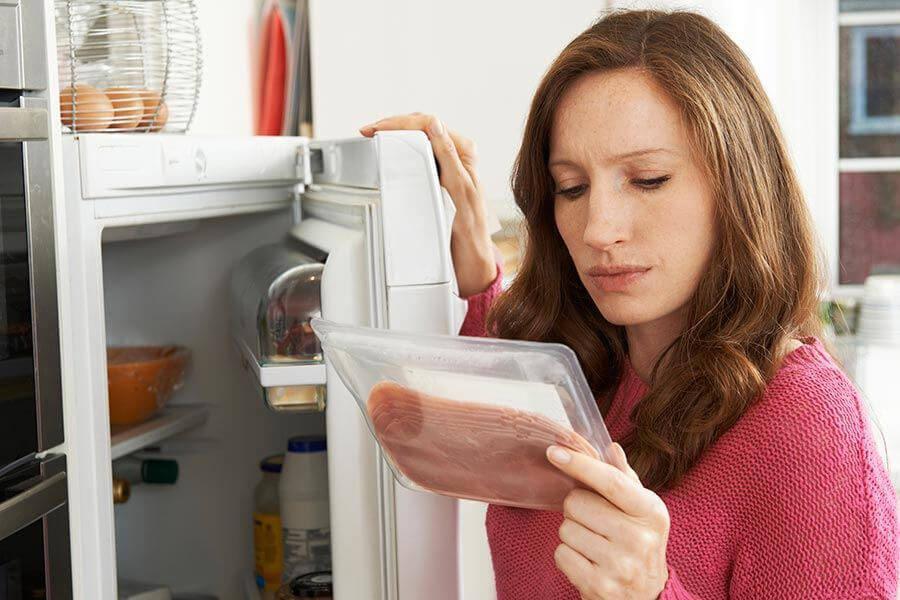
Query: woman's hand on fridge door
615, 532
470, 242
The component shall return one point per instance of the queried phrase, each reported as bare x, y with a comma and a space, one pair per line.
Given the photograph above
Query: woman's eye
572, 192
651, 184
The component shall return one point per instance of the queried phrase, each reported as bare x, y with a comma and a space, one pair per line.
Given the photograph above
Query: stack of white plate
879, 318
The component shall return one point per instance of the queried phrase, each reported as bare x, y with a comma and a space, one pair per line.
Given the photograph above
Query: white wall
225, 102
475, 64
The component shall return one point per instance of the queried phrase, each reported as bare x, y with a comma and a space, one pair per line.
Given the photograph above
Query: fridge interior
172, 288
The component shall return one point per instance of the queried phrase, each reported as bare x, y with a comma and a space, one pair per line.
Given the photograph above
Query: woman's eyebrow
642, 152
564, 162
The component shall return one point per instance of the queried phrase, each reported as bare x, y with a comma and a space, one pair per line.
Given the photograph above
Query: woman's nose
608, 219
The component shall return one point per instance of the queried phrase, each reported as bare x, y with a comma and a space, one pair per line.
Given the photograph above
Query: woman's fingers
408, 121
607, 480
470, 244
418, 121
620, 461
465, 148
456, 173
580, 571
615, 533
587, 542
597, 514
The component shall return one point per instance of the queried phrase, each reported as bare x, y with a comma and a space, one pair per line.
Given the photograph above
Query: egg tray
128, 65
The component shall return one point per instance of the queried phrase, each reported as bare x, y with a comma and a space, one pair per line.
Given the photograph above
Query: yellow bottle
267, 542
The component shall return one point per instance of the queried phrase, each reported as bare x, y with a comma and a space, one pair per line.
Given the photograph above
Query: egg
85, 108
128, 106
153, 119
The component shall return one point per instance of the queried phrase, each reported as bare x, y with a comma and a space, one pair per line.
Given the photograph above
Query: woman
669, 245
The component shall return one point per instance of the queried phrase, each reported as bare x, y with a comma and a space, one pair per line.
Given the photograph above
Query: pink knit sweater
791, 502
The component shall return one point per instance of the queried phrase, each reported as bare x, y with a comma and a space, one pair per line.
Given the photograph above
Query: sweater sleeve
821, 496
479, 305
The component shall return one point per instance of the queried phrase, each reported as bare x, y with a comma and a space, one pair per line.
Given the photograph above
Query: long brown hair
760, 290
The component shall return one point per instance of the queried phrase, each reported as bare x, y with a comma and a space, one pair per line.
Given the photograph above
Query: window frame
828, 221
862, 123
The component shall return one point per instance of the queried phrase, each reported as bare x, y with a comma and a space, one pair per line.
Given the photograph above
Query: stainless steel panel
38, 517
34, 48
33, 504
56, 537
10, 45
44, 304
23, 124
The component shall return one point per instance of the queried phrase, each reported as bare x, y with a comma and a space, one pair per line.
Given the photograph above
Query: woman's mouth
616, 278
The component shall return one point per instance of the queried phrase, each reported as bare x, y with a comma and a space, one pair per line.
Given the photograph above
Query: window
869, 142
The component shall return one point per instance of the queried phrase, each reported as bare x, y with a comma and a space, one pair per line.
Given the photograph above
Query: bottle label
267, 548
305, 551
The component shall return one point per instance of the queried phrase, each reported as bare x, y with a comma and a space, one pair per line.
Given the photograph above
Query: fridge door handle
23, 124
33, 504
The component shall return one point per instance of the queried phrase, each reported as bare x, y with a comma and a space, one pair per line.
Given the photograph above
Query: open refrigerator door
373, 239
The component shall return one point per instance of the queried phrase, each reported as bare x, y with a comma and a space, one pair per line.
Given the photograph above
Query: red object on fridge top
273, 74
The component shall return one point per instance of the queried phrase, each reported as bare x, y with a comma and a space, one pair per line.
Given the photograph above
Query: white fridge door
376, 210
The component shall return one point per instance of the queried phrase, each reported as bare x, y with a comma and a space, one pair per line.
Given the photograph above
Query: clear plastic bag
469, 417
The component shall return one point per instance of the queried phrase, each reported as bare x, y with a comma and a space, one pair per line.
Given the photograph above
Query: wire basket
128, 65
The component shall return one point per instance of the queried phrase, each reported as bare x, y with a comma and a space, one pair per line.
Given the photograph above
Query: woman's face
631, 203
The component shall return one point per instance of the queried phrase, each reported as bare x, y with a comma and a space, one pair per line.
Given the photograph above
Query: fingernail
558, 455
367, 127
436, 128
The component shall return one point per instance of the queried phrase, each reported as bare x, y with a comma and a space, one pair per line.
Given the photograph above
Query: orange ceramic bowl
142, 379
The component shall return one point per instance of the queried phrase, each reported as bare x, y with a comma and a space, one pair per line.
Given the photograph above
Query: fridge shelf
282, 375
171, 421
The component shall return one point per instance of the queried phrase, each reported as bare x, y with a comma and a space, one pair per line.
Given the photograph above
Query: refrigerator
150, 231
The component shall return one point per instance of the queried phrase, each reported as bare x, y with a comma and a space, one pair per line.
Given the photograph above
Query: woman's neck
647, 341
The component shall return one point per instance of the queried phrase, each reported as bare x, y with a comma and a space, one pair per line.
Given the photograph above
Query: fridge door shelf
275, 292
289, 386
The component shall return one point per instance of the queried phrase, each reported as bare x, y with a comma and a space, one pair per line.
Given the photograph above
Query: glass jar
310, 585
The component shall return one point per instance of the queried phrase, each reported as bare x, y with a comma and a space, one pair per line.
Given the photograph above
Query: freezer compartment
275, 292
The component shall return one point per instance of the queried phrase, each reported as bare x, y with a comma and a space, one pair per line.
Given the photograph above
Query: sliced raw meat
472, 450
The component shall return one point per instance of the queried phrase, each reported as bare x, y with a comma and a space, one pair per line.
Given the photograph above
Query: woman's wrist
477, 279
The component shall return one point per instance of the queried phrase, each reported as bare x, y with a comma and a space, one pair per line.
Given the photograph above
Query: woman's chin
625, 312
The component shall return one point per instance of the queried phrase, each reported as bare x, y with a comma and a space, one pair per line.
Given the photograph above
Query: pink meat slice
472, 450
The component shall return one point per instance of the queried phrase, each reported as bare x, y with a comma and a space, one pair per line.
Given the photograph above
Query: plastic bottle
303, 492
267, 542
149, 470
